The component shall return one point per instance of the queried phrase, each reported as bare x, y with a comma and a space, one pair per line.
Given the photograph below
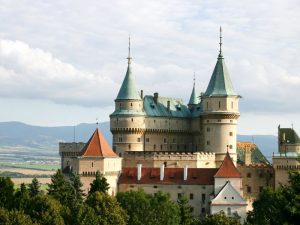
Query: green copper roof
220, 83
291, 137
256, 156
128, 89
193, 98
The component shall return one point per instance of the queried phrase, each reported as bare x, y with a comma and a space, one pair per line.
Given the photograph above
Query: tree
21, 197
77, 185
218, 219
185, 211
99, 184
147, 209
137, 206
45, 210
107, 209
34, 187
61, 189
84, 215
6, 192
164, 210
14, 217
281, 206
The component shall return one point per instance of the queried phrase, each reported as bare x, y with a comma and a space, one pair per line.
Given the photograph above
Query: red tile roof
97, 146
196, 176
228, 169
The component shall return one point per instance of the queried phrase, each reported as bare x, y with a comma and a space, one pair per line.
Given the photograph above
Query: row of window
207, 104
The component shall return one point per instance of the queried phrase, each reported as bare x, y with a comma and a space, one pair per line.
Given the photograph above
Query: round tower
220, 112
127, 121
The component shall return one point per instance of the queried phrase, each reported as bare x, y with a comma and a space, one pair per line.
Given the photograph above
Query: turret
127, 121
220, 112
193, 99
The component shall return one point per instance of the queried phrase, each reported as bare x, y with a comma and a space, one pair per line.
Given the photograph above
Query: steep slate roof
227, 169
128, 90
290, 135
220, 83
97, 146
177, 108
193, 99
196, 176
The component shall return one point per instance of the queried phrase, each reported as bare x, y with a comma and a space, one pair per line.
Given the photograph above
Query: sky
63, 62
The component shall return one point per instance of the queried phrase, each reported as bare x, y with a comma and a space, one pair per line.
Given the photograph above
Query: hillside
22, 142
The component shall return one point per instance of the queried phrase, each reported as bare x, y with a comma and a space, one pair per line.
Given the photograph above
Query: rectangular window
120, 139
261, 188
139, 140
230, 133
249, 175
179, 195
203, 210
165, 140
203, 198
147, 140
219, 105
248, 189
191, 196
208, 142
208, 129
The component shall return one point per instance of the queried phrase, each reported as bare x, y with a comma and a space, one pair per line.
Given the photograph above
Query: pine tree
99, 184
34, 187
77, 185
6, 192
21, 197
61, 189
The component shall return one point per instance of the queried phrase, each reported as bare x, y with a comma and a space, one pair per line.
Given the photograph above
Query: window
177, 147
92, 164
147, 140
129, 146
120, 139
179, 195
219, 104
114, 148
165, 140
228, 211
261, 188
230, 133
219, 120
208, 129
232, 197
174, 140
131, 104
154, 147
248, 189
230, 146
161, 147
207, 121
208, 142
131, 119
139, 140
170, 147
192, 209
203, 198
249, 175
206, 105
191, 196
154, 121
155, 186
120, 154
203, 210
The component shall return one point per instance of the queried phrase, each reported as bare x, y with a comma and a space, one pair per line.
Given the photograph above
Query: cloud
31, 73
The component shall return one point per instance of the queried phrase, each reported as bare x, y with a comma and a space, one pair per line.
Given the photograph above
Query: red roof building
97, 146
227, 169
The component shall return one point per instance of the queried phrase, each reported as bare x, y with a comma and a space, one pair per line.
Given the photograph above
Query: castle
162, 144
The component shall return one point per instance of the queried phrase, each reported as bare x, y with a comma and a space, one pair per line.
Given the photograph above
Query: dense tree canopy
99, 184
6, 192
281, 206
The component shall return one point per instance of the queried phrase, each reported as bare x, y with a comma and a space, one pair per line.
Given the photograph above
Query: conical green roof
220, 83
193, 98
128, 89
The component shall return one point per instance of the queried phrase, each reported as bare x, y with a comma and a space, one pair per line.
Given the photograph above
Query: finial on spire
194, 79
129, 57
220, 52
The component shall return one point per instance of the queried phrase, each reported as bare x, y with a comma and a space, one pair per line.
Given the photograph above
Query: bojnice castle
162, 144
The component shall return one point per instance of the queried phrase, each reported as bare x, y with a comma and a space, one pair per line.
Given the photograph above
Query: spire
193, 99
228, 169
220, 82
128, 89
220, 43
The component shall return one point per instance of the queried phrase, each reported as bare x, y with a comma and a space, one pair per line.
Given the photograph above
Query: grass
33, 166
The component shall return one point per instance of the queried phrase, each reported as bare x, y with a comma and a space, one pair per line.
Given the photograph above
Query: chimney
168, 105
185, 172
155, 97
139, 171
248, 160
162, 172
142, 94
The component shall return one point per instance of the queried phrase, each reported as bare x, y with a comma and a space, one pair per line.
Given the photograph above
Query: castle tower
220, 112
127, 121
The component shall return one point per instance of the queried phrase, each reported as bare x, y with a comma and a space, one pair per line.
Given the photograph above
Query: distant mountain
44, 140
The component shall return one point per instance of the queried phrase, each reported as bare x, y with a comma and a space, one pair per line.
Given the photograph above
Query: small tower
127, 121
220, 112
193, 99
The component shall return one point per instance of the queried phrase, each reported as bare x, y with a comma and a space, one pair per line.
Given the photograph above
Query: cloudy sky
62, 61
